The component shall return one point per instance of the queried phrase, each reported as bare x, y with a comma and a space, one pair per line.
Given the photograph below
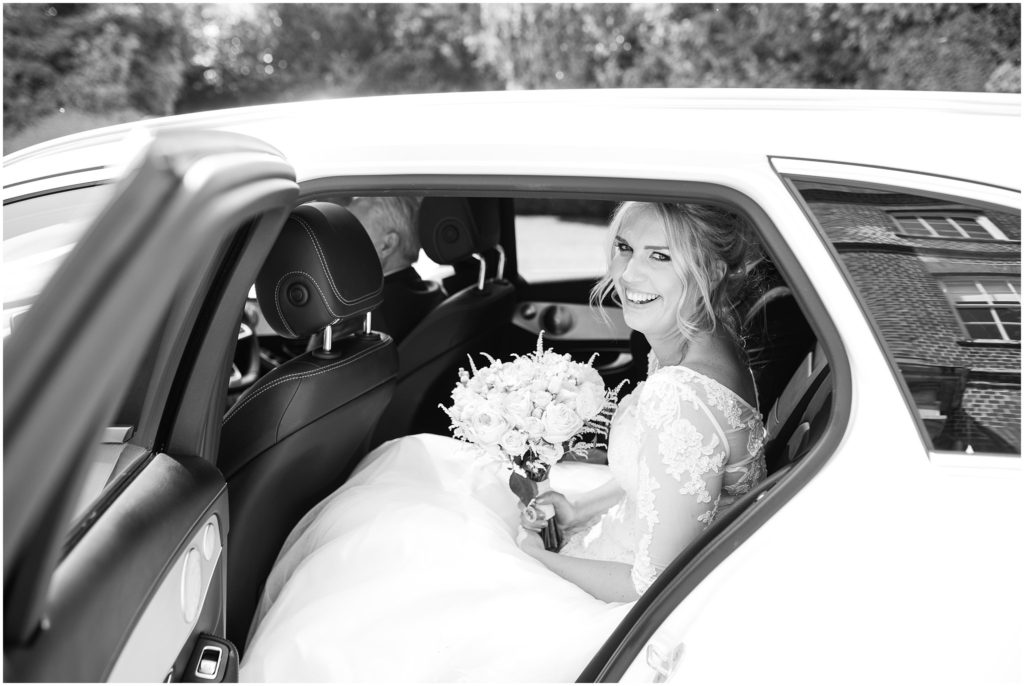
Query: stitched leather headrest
452, 229
322, 270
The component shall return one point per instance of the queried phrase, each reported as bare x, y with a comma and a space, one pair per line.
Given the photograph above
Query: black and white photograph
512, 343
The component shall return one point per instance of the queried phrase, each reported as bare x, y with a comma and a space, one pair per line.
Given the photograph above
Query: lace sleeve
680, 470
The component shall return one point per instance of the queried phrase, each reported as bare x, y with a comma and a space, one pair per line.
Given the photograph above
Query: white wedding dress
410, 571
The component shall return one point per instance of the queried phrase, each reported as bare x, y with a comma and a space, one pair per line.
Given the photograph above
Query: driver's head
391, 224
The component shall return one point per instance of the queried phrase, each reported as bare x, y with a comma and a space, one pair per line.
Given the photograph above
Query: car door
115, 380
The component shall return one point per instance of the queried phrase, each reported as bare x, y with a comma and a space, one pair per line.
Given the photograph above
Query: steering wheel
245, 367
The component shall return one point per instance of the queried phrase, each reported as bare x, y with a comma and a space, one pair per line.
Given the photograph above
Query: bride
422, 567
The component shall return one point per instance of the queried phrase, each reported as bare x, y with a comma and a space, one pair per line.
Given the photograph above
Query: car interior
284, 396
489, 307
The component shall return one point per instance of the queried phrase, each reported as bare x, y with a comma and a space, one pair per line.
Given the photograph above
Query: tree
92, 58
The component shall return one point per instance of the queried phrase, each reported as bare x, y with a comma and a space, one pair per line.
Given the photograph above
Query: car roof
627, 133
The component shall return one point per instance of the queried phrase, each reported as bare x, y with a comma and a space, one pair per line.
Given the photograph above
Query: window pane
985, 332
1008, 315
912, 226
971, 315
943, 227
960, 288
923, 298
973, 228
562, 239
1000, 289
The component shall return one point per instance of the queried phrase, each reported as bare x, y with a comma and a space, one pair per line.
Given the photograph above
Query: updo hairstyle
712, 251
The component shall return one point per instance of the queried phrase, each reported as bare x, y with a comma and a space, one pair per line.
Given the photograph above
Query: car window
39, 232
561, 239
941, 280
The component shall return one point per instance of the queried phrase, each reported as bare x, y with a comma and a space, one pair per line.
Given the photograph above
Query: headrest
452, 229
322, 270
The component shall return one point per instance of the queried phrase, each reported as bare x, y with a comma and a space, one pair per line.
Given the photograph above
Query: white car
141, 515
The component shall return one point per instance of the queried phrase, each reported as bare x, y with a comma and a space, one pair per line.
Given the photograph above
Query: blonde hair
712, 250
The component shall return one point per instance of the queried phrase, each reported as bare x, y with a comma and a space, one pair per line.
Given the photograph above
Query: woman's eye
621, 247
660, 257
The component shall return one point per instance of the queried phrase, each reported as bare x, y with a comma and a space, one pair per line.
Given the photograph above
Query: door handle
213, 660
663, 658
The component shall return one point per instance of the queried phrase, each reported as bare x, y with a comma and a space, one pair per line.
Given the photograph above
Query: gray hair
397, 213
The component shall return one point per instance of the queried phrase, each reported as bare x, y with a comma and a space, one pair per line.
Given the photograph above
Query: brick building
942, 281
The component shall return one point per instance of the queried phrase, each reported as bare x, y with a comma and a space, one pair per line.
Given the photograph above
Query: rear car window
558, 240
941, 281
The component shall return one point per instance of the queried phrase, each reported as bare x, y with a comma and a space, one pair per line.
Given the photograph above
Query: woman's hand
530, 543
567, 515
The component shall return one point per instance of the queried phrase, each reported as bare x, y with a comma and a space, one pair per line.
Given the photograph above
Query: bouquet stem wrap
551, 535
527, 490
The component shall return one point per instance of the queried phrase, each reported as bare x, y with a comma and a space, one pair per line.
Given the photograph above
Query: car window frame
956, 190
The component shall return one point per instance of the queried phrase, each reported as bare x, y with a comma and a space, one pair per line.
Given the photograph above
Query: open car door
122, 365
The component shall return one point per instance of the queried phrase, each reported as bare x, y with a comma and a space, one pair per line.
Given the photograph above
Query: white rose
540, 399
518, 405
533, 427
516, 375
554, 384
560, 423
487, 425
548, 454
589, 400
513, 442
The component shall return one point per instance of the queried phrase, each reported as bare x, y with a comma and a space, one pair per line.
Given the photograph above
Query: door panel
122, 585
128, 591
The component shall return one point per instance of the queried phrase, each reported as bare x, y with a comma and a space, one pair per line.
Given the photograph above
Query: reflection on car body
885, 338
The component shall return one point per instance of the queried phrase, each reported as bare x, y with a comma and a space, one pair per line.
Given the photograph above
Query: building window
988, 307
947, 224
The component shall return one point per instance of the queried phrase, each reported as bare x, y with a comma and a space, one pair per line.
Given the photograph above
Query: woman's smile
639, 297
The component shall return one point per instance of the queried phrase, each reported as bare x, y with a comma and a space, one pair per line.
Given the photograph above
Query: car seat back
776, 337
295, 435
451, 230
799, 415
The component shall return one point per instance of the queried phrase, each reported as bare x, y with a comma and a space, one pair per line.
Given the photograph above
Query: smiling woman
682, 447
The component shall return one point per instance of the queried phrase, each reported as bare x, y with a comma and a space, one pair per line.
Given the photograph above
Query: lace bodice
682, 448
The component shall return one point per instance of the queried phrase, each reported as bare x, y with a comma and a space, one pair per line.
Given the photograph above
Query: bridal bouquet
531, 411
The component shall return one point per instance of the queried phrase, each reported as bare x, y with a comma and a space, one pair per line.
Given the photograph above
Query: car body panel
872, 557
638, 134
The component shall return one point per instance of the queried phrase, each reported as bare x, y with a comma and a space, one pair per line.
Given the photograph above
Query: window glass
974, 226
989, 308
562, 239
39, 233
943, 289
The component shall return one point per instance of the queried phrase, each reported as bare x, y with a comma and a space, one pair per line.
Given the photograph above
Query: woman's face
644, 276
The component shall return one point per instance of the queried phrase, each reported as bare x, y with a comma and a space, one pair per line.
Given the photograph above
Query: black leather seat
777, 337
294, 436
798, 417
452, 230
